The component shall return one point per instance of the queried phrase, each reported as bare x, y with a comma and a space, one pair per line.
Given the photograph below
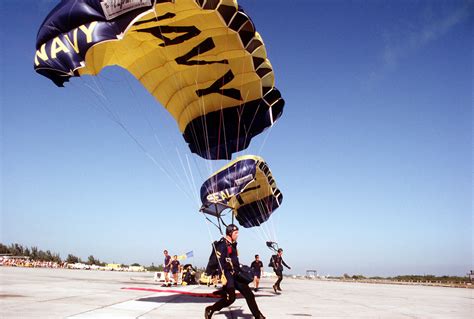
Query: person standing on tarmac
277, 263
257, 267
229, 267
175, 266
166, 269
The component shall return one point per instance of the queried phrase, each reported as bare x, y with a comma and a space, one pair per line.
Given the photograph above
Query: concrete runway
63, 293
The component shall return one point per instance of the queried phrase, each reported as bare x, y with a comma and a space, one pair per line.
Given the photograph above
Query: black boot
261, 316
208, 312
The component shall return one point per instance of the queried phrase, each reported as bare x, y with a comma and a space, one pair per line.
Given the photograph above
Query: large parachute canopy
201, 59
245, 186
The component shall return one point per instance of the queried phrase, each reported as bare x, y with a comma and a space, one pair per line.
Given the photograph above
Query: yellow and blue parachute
201, 59
247, 187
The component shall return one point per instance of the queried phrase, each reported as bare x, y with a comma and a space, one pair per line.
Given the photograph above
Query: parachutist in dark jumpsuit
226, 251
277, 263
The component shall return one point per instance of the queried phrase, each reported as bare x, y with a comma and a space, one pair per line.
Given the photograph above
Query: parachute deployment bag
245, 275
270, 264
213, 264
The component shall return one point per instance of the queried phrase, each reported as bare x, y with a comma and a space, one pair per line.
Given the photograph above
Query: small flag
190, 254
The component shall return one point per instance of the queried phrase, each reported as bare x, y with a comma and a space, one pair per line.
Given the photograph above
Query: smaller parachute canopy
246, 186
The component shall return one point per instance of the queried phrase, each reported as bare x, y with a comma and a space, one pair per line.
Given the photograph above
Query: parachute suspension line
190, 179
262, 232
263, 210
193, 182
265, 138
246, 132
141, 109
198, 168
272, 222
259, 234
217, 226
251, 123
264, 226
195, 135
269, 226
270, 231
240, 111
102, 99
116, 119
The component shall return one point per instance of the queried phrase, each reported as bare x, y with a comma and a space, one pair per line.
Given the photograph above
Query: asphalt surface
63, 293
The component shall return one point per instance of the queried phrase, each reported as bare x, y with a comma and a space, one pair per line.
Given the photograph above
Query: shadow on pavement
179, 299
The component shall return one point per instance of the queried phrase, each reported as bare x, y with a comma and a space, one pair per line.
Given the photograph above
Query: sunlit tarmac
62, 293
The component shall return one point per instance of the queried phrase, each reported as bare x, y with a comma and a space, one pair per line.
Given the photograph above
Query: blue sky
372, 153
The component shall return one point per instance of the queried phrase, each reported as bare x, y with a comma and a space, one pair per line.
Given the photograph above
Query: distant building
115, 267
471, 275
136, 268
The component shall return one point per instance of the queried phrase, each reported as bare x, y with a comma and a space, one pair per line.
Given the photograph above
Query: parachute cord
263, 210
251, 123
198, 168
192, 179
217, 226
155, 135
269, 226
263, 232
189, 178
258, 234
265, 139
116, 119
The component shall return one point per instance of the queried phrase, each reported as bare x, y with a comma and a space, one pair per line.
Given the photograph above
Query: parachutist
277, 263
225, 261
166, 268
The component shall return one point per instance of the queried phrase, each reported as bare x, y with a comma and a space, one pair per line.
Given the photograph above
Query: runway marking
127, 309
